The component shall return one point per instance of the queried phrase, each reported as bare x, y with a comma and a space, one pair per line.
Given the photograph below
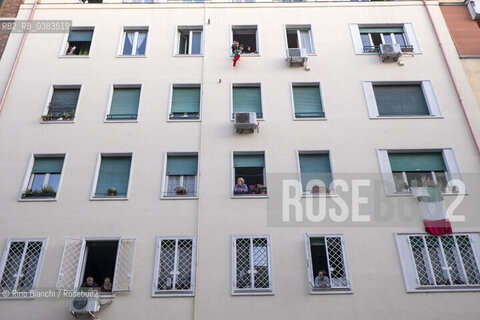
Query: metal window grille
252, 264
175, 269
21, 264
124, 265
444, 261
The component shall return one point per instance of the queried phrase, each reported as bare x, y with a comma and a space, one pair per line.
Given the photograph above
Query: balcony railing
310, 115
405, 48
184, 115
112, 116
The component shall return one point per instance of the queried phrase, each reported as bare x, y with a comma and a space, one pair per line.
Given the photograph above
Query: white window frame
174, 293
6, 251
191, 29
408, 31
449, 158
110, 97
51, 89
265, 183
64, 46
311, 279
165, 180
82, 258
322, 100
251, 291
123, 34
428, 93
293, 26
333, 190
246, 27
170, 99
97, 171
409, 268
246, 85
28, 174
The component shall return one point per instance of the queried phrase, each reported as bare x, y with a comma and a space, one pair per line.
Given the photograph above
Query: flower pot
112, 194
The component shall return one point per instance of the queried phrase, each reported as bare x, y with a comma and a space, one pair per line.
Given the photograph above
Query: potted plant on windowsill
47, 117
112, 192
45, 192
258, 189
180, 191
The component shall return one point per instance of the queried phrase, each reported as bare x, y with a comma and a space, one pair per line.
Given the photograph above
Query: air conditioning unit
82, 305
297, 57
245, 122
474, 9
390, 52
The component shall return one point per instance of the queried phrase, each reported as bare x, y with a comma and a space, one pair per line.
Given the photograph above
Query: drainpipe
459, 96
17, 57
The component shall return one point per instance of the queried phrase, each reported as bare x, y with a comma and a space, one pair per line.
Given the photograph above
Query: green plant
112, 191
47, 117
29, 191
48, 189
65, 115
180, 190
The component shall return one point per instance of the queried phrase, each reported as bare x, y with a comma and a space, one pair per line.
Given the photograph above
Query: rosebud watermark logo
47, 294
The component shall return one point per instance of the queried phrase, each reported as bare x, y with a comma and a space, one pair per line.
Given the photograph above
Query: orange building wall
464, 31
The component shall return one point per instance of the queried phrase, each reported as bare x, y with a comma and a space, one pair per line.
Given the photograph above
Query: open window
97, 258
315, 172
185, 102
246, 36
327, 263
181, 175
134, 41
43, 179
124, 103
300, 37
78, 42
190, 40
62, 104
249, 174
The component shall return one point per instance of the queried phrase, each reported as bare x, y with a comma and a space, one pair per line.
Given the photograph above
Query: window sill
173, 293
330, 291
131, 56
179, 198
310, 119
265, 292
184, 120
258, 119
113, 198
250, 197
37, 199
57, 121
405, 117
325, 195
445, 289
376, 53
247, 55
187, 55
409, 194
74, 56
121, 121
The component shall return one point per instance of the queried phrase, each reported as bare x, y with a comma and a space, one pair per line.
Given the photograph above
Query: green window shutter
400, 100
124, 103
315, 167
80, 35
247, 100
186, 100
418, 161
114, 172
48, 165
182, 165
63, 100
249, 160
317, 241
382, 30
307, 101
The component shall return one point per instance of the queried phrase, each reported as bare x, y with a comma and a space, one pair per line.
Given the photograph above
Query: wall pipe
459, 96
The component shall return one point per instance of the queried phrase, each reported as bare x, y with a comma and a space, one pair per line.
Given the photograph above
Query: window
403, 169
134, 42
44, 179
367, 38
300, 37
124, 103
185, 102
78, 42
113, 176
307, 101
190, 40
63, 104
175, 266
97, 258
401, 99
246, 36
251, 271
326, 255
250, 167
181, 175
21, 264
247, 98
315, 172
440, 262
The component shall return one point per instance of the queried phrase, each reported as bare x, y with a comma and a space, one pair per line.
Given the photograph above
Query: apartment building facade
119, 158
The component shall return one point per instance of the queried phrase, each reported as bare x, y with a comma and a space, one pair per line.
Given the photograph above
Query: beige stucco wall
472, 69
349, 134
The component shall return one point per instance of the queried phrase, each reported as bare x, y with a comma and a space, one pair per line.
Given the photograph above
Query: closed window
134, 42
401, 99
435, 263
113, 176
307, 101
190, 40
300, 37
175, 266
247, 98
315, 172
78, 42
185, 102
21, 264
249, 174
181, 175
44, 179
124, 103
251, 265
327, 263
63, 104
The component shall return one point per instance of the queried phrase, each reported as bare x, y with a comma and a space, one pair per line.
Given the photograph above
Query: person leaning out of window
322, 281
241, 187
